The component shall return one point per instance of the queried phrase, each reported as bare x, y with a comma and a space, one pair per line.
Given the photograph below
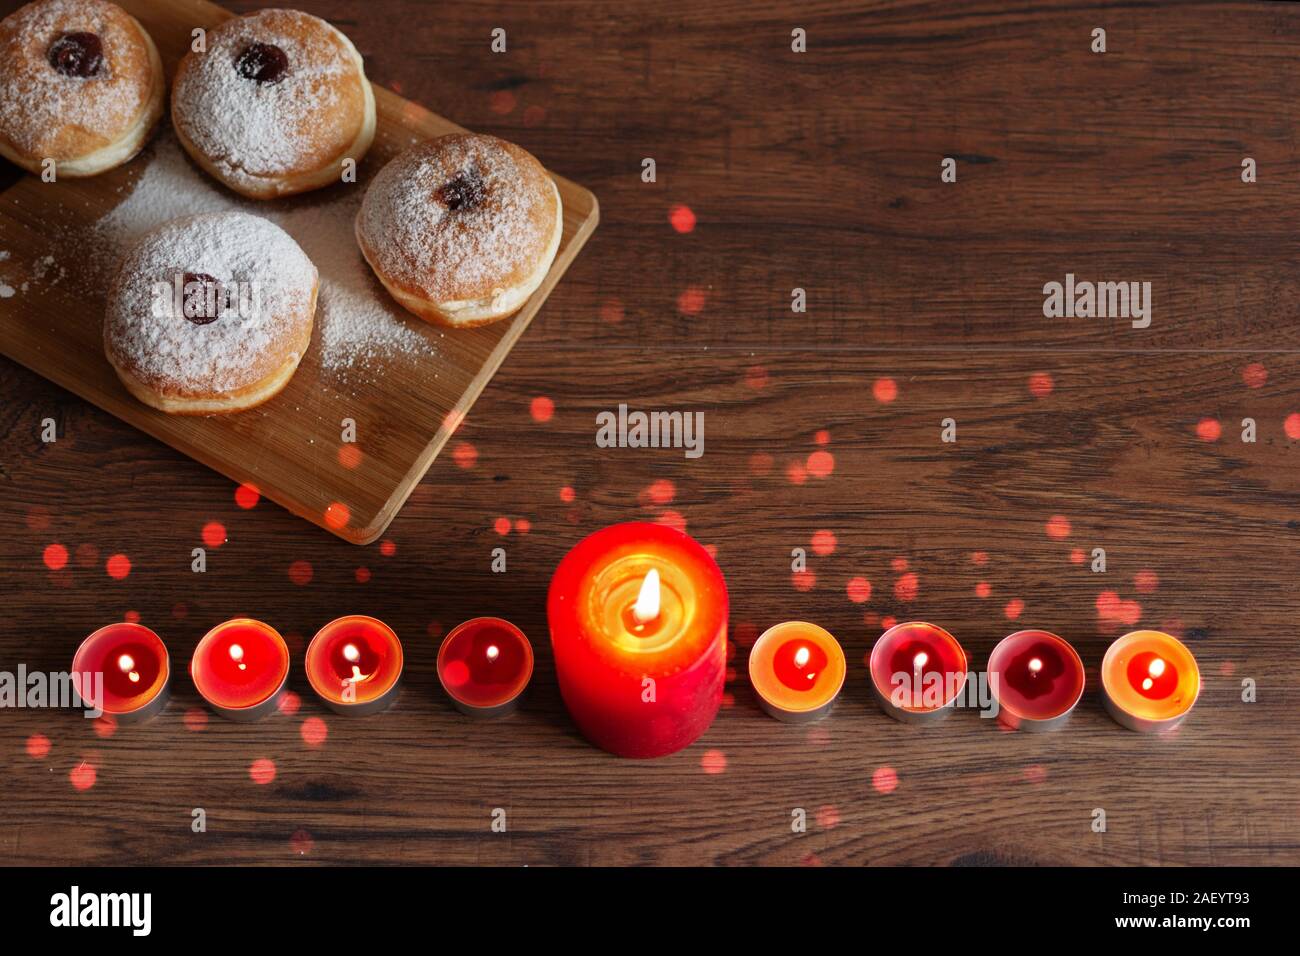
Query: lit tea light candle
1149, 681
797, 670
135, 669
638, 619
918, 671
240, 668
354, 664
485, 665
1036, 678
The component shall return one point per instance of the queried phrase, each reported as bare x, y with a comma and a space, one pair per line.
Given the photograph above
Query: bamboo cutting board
404, 402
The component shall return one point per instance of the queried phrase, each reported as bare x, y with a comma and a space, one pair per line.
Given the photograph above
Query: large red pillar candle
1036, 678
354, 664
240, 668
918, 671
484, 665
638, 617
136, 671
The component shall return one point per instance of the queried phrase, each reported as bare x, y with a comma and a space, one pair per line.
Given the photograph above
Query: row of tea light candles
638, 621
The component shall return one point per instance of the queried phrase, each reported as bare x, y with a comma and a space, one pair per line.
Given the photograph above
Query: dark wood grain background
818, 171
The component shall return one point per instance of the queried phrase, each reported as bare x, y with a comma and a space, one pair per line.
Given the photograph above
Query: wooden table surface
819, 171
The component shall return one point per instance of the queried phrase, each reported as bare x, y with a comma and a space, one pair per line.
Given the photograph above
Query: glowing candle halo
136, 671
240, 668
354, 664
484, 665
909, 663
797, 670
639, 688
1149, 681
1037, 679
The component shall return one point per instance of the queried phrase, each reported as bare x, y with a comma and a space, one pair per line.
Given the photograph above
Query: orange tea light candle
240, 668
354, 664
638, 618
918, 671
1036, 678
797, 670
125, 666
485, 665
1149, 681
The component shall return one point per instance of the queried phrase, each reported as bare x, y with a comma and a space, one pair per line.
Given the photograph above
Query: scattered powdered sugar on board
358, 325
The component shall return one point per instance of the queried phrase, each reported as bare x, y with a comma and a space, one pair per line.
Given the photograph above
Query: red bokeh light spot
55, 557
884, 780
118, 566
1058, 527
906, 587
362, 575
464, 455
388, 548
821, 464
261, 771
803, 580
38, 746
713, 761
314, 731
1040, 384
756, 377
691, 301
823, 542
1146, 581
885, 389
673, 519
1014, 608
502, 525
611, 311
1208, 429
567, 494
300, 573
660, 492
542, 409
682, 218
247, 495
290, 703
301, 843
196, 719
349, 455
337, 515
502, 102
1292, 426
859, 590
983, 589
1254, 375
82, 776
523, 525
214, 534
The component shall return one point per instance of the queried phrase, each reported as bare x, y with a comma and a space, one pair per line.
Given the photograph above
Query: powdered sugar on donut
44, 113
360, 331
460, 217
253, 130
149, 333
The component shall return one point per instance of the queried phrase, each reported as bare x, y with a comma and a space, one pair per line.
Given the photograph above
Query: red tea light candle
1149, 681
485, 665
638, 618
1036, 678
797, 670
918, 671
354, 664
136, 671
240, 668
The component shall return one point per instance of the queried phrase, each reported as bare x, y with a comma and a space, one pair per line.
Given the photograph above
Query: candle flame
493, 652
920, 659
646, 608
126, 663
1035, 665
237, 655
1157, 667
802, 656
350, 653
